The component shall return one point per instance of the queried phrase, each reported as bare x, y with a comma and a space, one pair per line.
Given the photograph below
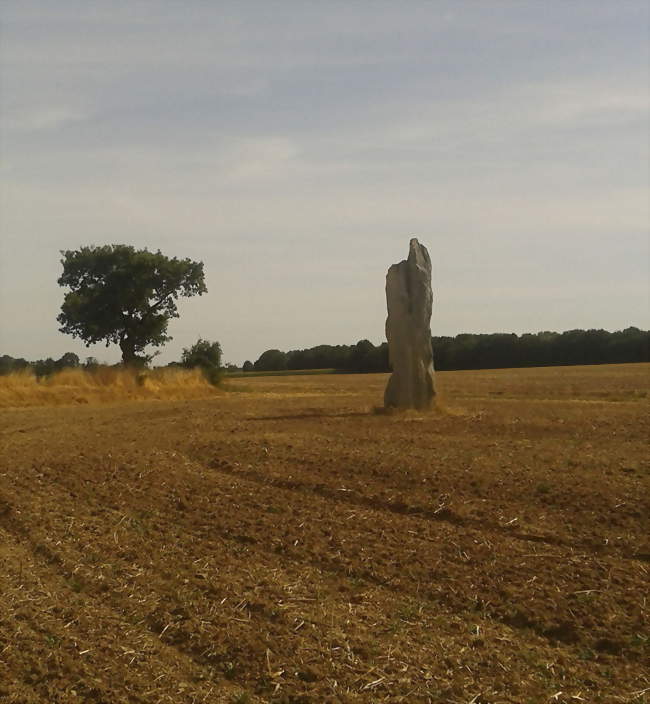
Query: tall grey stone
408, 329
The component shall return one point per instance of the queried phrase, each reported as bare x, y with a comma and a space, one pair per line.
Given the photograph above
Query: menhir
408, 330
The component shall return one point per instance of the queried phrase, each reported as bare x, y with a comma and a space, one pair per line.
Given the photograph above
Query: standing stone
408, 330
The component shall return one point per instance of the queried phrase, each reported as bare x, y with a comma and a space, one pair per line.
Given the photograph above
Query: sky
296, 146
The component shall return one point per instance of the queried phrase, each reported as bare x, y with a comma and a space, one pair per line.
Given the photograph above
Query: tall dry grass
102, 385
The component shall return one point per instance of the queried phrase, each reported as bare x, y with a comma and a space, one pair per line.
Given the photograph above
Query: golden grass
102, 385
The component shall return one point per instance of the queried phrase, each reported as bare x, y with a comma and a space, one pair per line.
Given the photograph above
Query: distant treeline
44, 367
468, 351
465, 351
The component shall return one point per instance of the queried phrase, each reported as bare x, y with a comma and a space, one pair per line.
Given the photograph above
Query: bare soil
284, 542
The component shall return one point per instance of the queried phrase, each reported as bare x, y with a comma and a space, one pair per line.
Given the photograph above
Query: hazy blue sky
296, 146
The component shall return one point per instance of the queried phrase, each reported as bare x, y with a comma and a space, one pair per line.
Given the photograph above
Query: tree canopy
124, 296
271, 361
202, 353
206, 356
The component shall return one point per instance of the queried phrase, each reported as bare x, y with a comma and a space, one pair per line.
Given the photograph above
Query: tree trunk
128, 352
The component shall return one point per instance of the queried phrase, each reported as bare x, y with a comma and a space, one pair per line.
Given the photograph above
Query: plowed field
283, 542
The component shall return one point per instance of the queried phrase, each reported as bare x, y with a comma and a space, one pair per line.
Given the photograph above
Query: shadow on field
315, 414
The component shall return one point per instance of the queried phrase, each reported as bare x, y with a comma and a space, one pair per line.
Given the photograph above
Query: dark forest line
475, 351
464, 351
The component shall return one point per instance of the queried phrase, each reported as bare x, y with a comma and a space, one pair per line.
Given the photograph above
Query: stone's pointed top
418, 254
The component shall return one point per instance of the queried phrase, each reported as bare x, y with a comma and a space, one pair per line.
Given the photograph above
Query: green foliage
271, 361
541, 349
10, 364
468, 351
68, 360
247, 366
41, 367
124, 296
45, 367
90, 363
207, 356
202, 353
362, 357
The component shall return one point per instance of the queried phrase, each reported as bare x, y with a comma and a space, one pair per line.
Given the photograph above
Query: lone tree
124, 296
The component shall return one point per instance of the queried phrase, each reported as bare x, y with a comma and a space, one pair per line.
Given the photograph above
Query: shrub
206, 356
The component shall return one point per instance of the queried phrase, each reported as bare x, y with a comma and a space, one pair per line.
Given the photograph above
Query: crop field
284, 541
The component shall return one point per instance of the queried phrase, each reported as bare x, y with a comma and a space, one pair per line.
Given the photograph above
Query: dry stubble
284, 543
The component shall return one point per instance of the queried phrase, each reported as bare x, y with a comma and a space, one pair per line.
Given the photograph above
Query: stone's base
409, 392
408, 329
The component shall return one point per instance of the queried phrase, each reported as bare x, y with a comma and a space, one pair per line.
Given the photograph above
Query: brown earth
283, 542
